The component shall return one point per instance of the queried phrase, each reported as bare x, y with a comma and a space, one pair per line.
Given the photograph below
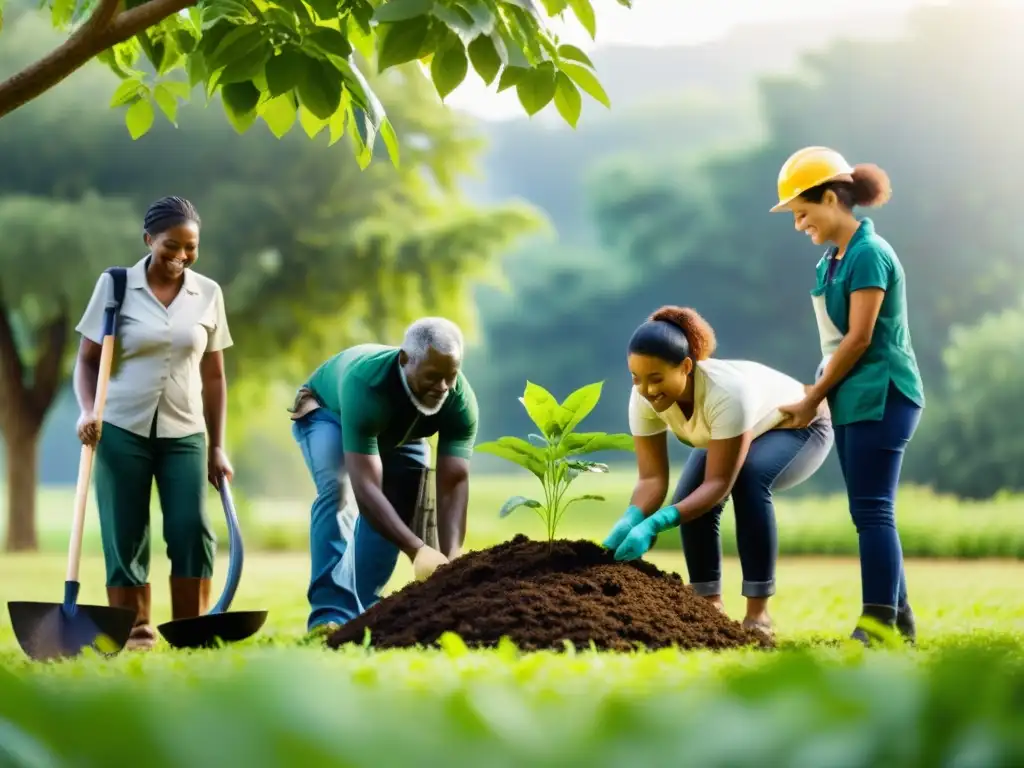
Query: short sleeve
730, 411
458, 433
91, 324
643, 419
872, 268
220, 336
360, 416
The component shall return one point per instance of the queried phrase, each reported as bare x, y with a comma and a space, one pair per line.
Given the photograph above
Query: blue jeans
776, 460
351, 562
871, 457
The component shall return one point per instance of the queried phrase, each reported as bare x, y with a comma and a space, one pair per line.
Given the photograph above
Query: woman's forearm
649, 494
215, 405
86, 374
846, 356
704, 497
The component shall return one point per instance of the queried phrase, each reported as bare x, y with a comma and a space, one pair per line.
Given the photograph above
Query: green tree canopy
306, 60
972, 443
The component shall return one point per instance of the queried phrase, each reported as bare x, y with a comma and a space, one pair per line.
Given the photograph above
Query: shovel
219, 625
61, 630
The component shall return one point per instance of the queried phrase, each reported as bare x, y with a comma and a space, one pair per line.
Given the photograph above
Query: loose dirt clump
540, 596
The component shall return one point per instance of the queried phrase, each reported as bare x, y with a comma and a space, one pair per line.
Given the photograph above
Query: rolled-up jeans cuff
758, 588
707, 588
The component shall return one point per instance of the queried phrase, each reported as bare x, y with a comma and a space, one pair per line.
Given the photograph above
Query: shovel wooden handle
88, 451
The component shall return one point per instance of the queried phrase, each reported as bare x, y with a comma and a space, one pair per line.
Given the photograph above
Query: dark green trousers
125, 467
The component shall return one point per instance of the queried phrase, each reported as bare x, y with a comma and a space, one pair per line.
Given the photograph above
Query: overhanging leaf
390, 138
402, 42
238, 42
481, 14
177, 88
310, 123
585, 13
246, 67
458, 21
587, 81
167, 103
139, 118
568, 101
128, 91
331, 42
284, 71
401, 10
485, 57
515, 502
279, 114
362, 133
240, 100
511, 76
449, 67
325, 9
319, 88
339, 121
573, 53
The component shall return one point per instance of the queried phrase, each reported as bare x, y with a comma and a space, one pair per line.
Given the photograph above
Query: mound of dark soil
540, 596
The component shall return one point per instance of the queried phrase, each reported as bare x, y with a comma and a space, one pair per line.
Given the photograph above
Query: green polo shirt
870, 262
363, 387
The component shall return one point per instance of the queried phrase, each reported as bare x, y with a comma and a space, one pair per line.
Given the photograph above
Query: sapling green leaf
515, 502
542, 408
548, 455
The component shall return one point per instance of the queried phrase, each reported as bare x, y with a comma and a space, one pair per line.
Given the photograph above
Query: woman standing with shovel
869, 373
168, 389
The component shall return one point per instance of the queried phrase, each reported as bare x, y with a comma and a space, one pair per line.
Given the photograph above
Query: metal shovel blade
206, 631
219, 625
48, 631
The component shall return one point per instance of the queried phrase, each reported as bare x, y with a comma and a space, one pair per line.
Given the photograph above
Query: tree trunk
22, 466
23, 407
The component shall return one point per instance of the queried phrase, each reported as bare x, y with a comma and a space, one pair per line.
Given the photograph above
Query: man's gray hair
435, 333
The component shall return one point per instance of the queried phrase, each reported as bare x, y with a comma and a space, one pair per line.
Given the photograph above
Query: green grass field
276, 701
273, 701
818, 597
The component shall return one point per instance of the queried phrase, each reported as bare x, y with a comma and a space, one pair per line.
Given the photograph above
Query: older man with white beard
361, 421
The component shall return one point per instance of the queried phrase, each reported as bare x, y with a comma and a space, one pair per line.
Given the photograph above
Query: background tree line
939, 107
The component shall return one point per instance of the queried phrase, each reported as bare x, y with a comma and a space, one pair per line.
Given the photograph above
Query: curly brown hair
698, 331
870, 187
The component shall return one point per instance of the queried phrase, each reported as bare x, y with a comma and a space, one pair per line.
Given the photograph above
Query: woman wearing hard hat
869, 374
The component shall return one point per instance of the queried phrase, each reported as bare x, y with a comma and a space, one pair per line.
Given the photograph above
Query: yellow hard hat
806, 169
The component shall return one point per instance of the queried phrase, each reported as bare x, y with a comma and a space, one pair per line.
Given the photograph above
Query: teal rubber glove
639, 540
632, 517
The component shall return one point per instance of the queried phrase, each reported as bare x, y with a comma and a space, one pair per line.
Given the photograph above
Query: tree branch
104, 29
49, 366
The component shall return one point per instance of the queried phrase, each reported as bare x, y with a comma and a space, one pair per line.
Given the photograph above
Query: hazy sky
668, 22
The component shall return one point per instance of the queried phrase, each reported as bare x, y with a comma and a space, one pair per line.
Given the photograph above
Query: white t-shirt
730, 397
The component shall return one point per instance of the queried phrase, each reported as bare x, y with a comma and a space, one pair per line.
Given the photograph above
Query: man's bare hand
426, 561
